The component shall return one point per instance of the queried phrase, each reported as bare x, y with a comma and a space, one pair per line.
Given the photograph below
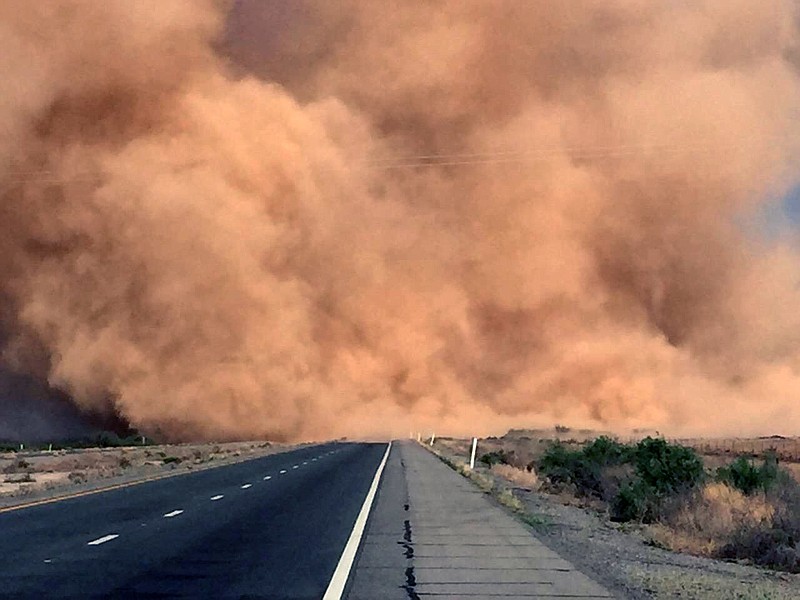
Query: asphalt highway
269, 528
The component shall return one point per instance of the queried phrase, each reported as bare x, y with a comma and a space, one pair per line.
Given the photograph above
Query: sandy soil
25, 475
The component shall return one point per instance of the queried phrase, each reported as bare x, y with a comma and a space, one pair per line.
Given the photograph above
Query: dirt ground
26, 474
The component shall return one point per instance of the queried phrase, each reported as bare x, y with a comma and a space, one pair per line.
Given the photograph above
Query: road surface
273, 527
286, 526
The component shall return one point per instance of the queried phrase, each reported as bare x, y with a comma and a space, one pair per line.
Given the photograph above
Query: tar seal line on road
340, 575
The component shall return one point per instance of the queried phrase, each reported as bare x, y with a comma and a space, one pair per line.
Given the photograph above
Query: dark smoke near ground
319, 218
30, 412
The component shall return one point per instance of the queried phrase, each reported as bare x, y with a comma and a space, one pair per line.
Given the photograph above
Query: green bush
667, 468
636, 501
564, 466
747, 478
659, 470
662, 471
605, 451
498, 457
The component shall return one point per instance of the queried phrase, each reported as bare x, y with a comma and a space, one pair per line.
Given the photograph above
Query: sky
315, 221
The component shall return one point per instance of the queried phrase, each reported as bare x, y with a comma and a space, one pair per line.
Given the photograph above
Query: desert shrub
509, 500
124, 462
521, 477
667, 468
743, 475
498, 457
19, 478
661, 471
765, 546
635, 501
107, 439
562, 429
606, 452
704, 520
77, 477
19, 466
635, 480
587, 469
722, 521
558, 463
171, 459
779, 545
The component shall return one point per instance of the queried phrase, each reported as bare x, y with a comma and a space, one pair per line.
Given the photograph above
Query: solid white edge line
342, 572
104, 539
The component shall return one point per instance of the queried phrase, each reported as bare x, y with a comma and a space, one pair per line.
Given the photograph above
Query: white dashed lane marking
174, 513
103, 540
283, 471
247, 485
217, 497
267, 477
294, 466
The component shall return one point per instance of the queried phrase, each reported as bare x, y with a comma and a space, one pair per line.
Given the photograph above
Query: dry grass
708, 519
509, 500
63, 468
519, 477
786, 449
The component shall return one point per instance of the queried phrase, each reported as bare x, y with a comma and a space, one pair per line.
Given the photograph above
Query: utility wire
573, 153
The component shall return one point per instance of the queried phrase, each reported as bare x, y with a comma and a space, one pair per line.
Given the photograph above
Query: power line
416, 161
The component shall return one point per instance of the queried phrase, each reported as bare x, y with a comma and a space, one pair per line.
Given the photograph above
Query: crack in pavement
408, 547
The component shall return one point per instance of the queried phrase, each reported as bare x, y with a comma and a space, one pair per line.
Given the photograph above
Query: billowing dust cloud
319, 218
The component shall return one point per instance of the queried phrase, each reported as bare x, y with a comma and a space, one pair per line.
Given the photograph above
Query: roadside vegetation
747, 510
103, 439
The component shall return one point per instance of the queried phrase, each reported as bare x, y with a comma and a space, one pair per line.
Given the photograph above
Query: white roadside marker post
433, 438
419, 436
472, 454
